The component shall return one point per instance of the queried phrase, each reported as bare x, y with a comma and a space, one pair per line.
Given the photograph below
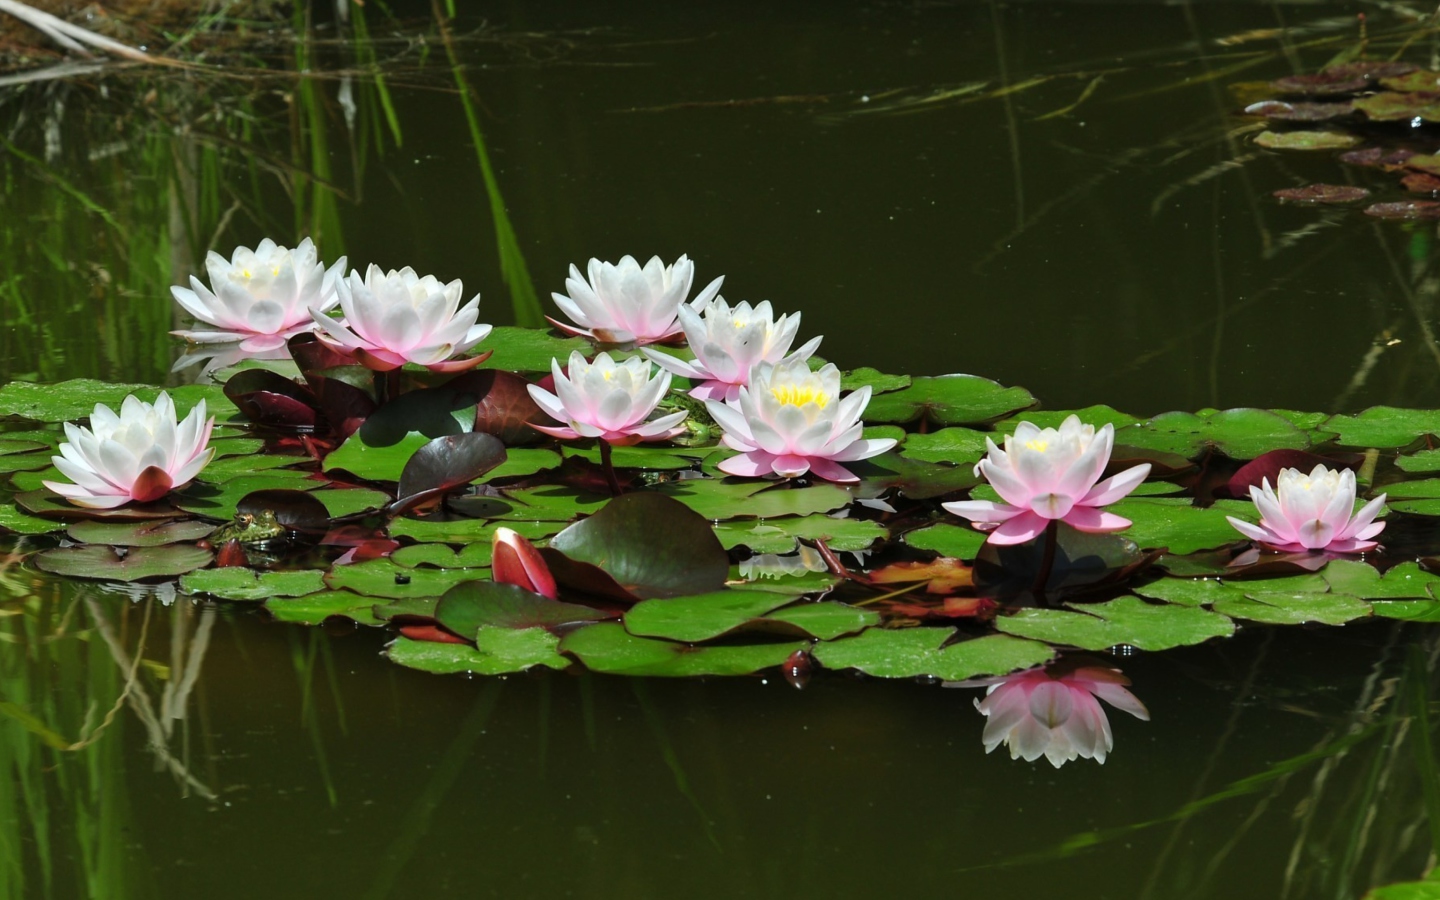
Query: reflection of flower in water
1054, 711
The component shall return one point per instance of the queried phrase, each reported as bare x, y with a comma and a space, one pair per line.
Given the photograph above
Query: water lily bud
515, 560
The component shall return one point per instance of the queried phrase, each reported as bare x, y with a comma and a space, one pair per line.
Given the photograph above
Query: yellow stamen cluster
799, 395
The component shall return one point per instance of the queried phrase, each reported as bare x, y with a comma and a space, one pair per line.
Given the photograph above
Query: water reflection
1054, 711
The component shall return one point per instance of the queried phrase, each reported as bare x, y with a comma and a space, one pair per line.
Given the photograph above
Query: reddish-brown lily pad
1320, 194
1281, 111
1327, 83
1379, 157
1405, 209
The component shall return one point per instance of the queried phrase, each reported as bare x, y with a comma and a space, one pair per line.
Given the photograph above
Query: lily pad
1124, 620
1384, 427
221, 470
1278, 608
1176, 524
314, 609
719, 500
913, 478
917, 652
1322, 194
957, 446
342, 502
948, 400
1238, 433
497, 652
956, 541
448, 462
437, 529
1395, 106
826, 620
524, 461
240, 583
778, 535
440, 556
528, 349
220, 501
69, 401
1348, 576
143, 534
468, 607
1420, 461
701, 617
878, 381
383, 578
642, 457
374, 463
107, 564
1301, 111
651, 545
1306, 140
1411, 210
608, 648
17, 521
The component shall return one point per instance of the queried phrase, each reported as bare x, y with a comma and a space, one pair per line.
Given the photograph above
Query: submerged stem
1047, 562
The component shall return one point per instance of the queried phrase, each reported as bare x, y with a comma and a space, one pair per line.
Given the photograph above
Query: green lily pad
25, 462
1347, 576
528, 349
69, 401
1289, 608
240, 583
957, 446
524, 461
218, 501
342, 502
778, 535
10, 445
879, 381
497, 652
221, 470
1208, 591
17, 521
138, 534
241, 446
1124, 620
467, 531
702, 616
948, 400
826, 620
643, 457
1306, 140
440, 556
383, 578
474, 605
1174, 523
554, 503
314, 609
1051, 418
1238, 433
374, 463
718, 500
1390, 106
1385, 427
955, 541
1420, 461
916, 652
608, 648
913, 478
105, 563
651, 545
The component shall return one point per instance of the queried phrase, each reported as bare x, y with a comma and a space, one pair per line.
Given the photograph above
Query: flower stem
609, 467
1047, 562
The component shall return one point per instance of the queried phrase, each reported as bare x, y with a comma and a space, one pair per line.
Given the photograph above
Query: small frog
250, 529
699, 427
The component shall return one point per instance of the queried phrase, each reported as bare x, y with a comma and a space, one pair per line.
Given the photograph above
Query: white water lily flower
728, 343
622, 303
789, 421
396, 317
140, 454
260, 298
1312, 512
607, 400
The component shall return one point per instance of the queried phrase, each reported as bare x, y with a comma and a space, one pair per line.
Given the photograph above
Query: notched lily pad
314, 609
920, 652
607, 647
145, 534
1383, 427
1124, 620
109, 564
948, 400
497, 652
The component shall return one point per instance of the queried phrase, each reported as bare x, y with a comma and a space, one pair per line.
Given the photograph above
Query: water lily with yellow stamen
728, 342
608, 400
789, 421
1049, 474
1312, 512
258, 299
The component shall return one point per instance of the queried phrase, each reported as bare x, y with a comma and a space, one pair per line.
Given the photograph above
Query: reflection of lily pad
1124, 620
608, 647
105, 563
1306, 140
916, 652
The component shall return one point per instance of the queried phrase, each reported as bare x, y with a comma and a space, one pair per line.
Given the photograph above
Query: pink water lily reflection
1054, 711
1048, 474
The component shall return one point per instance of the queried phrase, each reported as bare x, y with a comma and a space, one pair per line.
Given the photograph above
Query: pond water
1057, 195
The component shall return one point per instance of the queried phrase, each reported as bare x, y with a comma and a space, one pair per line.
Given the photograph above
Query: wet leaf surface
313, 609
609, 648
1385, 427
106, 564
1306, 140
449, 462
498, 652
948, 400
151, 534
918, 652
236, 583
69, 401
1124, 620
384, 578
467, 607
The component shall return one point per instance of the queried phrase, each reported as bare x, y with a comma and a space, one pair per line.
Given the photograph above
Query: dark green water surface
834, 158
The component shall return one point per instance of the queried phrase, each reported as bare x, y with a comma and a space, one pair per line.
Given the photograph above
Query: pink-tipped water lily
140, 454
789, 421
396, 317
1048, 474
622, 303
1312, 512
1054, 711
258, 299
729, 342
608, 400
515, 560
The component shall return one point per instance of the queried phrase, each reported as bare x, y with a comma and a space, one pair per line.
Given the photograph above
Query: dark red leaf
506, 409
1313, 194
431, 633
